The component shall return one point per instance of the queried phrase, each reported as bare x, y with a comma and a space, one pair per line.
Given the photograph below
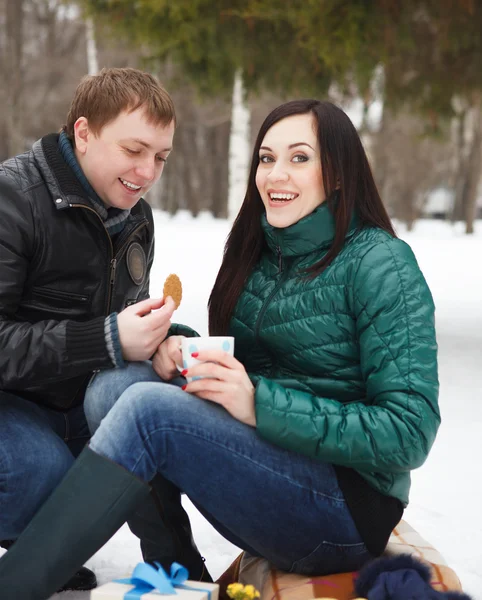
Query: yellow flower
234, 588
251, 592
238, 591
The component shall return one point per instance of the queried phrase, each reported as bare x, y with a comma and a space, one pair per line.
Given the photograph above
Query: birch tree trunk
474, 171
469, 164
92, 61
239, 148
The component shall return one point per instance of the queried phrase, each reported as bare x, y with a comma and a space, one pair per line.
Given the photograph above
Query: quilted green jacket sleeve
394, 428
180, 329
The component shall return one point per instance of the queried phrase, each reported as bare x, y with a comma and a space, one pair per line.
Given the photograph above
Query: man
76, 248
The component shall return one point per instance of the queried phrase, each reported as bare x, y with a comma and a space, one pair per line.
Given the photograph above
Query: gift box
151, 583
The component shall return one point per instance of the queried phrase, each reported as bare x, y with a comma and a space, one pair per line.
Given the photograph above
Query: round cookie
173, 288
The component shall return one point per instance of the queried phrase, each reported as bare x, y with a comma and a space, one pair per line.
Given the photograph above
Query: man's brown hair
101, 98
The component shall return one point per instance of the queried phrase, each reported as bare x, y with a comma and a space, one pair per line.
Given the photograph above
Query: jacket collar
64, 186
313, 232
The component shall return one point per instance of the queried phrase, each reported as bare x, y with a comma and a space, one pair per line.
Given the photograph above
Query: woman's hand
167, 355
226, 382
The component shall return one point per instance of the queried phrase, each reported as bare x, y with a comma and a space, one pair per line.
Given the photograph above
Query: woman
302, 448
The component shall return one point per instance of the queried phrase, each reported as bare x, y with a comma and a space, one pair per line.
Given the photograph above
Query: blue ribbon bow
146, 578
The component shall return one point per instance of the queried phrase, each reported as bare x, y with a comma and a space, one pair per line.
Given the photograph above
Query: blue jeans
37, 447
273, 503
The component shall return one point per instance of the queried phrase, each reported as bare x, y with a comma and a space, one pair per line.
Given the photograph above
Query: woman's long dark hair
345, 169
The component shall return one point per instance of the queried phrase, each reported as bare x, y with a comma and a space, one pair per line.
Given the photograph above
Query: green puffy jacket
345, 364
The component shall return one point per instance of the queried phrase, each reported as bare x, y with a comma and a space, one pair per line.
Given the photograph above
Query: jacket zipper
284, 276
113, 260
110, 245
280, 259
113, 266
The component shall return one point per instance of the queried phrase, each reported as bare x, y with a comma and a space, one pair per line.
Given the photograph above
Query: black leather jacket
60, 276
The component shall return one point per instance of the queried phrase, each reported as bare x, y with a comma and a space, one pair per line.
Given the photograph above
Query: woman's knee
136, 432
145, 407
145, 400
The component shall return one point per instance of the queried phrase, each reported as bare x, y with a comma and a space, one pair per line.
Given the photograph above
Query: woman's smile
288, 177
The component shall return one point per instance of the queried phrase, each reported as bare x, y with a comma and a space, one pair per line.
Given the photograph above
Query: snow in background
446, 491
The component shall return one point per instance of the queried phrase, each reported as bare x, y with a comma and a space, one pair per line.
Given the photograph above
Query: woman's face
289, 176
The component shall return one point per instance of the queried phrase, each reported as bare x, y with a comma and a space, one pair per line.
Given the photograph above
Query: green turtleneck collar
313, 232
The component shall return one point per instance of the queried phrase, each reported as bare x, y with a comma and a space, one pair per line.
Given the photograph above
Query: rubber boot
92, 502
164, 529
84, 580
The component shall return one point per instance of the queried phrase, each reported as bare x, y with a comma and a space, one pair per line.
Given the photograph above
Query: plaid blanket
278, 585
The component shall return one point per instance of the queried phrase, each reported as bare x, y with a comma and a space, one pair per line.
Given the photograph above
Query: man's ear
82, 134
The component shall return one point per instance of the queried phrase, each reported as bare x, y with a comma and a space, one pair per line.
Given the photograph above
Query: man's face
125, 159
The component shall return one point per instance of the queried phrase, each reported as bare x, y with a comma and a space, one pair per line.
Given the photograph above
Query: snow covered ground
447, 491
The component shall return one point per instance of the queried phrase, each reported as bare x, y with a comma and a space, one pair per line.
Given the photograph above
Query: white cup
196, 344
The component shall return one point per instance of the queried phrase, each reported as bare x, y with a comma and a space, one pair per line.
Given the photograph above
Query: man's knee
106, 387
26, 481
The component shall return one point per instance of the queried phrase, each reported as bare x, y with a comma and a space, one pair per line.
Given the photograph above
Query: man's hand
167, 356
143, 326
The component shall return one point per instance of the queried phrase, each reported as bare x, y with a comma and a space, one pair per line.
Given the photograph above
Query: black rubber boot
164, 529
83, 581
91, 503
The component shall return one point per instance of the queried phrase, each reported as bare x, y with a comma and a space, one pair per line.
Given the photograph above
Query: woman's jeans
37, 447
273, 503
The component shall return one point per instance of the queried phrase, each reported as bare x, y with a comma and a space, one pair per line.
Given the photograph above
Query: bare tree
196, 176
408, 164
239, 146
92, 61
41, 62
468, 160
12, 72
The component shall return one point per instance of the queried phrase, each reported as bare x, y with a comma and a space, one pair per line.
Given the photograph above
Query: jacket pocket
44, 293
49, 302
330, 557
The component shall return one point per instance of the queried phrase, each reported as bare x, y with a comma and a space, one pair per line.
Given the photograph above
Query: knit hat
401, 577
